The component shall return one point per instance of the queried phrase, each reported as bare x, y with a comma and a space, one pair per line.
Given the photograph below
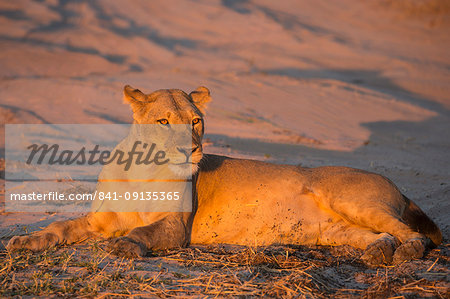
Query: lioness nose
187, 151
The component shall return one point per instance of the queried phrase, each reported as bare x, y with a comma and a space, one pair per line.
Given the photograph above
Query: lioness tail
420, 222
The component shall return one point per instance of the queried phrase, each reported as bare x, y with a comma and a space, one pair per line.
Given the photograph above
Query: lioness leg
379, 248
61, 232
380, 208
410, 249
384, 219
413, 244
380, 219
169, 232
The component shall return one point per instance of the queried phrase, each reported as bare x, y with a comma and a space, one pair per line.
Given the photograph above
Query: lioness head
167, 109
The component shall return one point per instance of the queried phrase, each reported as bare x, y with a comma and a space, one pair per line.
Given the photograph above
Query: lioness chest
255, 203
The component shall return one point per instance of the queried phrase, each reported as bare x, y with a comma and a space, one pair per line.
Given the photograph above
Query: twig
431, 267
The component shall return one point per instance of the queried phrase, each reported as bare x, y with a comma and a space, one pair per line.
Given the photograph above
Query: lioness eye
163, 121
196, 121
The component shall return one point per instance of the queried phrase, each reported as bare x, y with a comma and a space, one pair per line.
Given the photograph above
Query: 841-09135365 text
59, 196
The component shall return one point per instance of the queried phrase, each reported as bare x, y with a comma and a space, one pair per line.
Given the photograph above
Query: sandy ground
356, 83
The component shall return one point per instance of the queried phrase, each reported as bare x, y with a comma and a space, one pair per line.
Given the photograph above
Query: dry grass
87, 270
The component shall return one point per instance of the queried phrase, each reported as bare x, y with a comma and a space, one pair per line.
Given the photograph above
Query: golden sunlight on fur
253, 203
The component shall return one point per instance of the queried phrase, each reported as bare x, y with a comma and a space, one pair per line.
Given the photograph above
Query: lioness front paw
409, 250
127, 247
37, 242
380, 252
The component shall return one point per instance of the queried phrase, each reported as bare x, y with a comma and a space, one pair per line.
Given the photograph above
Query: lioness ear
200, 97
134, 97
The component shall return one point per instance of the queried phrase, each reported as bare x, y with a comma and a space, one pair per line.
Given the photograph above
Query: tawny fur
254, 203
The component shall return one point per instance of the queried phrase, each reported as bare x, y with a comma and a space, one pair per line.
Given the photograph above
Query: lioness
254, 203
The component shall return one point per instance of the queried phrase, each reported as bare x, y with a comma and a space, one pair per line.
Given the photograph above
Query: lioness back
251, 202
254, 203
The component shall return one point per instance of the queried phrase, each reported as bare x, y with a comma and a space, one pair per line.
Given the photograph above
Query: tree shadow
289, 22
131, 30
67, 20
13, 14
425, 138
370, 79
107, 117
117, 59
239, 6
